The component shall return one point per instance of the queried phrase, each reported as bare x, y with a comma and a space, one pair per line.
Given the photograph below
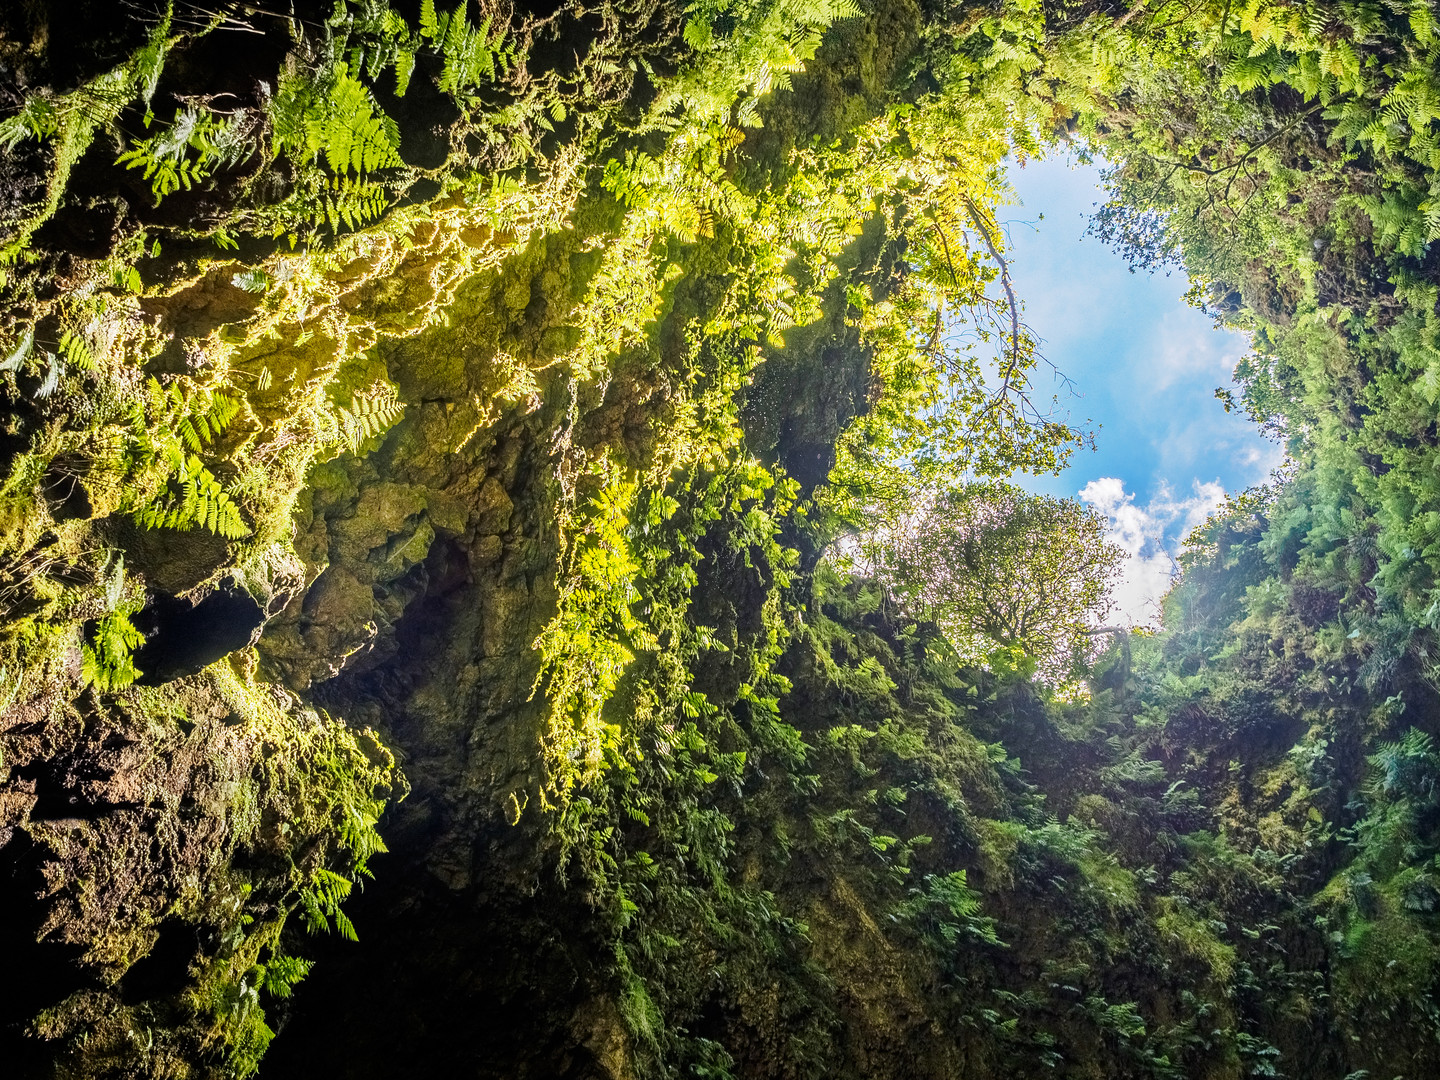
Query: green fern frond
115, 586
369, 414
207, 504
353, 203
202, 503
36, 119
51, 382
351, 131
16, 360
358, 834
105, 661
1406, 768
172, 409
280, 974
320, 901
472, 55
73, 348
253, 281
166, 157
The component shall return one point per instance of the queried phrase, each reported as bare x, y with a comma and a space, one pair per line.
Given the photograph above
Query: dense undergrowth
484, 388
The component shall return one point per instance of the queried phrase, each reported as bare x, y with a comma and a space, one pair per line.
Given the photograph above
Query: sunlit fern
345, 126
369, 414
202, 503
174, 425
352, 202
105, 660
73, 348
321, 900
472, 54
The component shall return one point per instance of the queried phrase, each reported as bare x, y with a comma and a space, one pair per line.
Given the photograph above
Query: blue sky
1144, 367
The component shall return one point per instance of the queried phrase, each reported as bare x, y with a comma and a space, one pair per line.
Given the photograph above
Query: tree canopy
995, 565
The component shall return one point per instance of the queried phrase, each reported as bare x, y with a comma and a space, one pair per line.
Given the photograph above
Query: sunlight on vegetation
601, 420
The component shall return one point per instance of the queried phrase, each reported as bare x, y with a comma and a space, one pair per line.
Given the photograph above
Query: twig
1004, 281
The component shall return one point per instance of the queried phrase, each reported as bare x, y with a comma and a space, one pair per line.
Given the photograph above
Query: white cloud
1183, 348
1149, 535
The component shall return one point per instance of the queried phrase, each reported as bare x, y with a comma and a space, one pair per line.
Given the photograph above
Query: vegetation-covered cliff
451, 616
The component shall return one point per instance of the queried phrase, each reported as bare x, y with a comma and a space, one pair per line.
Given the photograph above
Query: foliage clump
997, 567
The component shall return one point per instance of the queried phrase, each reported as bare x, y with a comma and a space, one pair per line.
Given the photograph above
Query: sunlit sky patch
1143, 367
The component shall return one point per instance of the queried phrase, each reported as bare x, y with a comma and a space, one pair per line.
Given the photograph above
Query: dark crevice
183, 638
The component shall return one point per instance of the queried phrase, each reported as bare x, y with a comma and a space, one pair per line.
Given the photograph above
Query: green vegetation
609, 409
995, 566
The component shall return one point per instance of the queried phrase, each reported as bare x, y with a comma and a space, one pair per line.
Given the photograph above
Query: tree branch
976, 217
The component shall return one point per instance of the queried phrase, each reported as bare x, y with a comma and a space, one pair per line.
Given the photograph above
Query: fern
378, 38
471, 54
358, 834
51, 382
105, 660
253, 281
198, 429
217, 143
127, 278
369, 414
73, 348
321, 900
172, 410
1402, 220
16, 360
1408, 768
206, 504
37, 119
348, 132
163, 157
353, 203
202, 503
280, 974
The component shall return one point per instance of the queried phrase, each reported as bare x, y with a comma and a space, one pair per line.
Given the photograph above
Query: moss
1194, 938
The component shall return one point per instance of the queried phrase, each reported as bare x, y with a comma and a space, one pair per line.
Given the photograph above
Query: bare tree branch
976, 217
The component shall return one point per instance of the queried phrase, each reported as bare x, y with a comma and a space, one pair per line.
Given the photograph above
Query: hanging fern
207, 505
1407, 768
321, 900
215, 141
359, 835
369, 414
472, 55
197, 429
375, 38
353, 203
166, 175
347, 130
1403, 219
280, 973
202, 503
